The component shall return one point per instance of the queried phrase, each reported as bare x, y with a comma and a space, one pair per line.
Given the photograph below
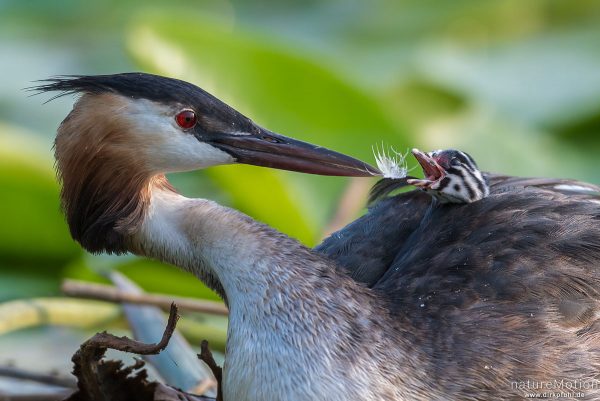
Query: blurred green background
514, 83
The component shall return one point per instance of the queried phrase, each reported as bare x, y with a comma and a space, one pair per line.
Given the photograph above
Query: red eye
186, 119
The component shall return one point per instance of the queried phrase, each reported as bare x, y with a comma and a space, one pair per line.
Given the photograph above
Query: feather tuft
392, 164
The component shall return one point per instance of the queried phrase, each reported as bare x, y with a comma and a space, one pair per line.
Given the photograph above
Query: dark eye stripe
444, 183
478, 181
480, 184
470, 190
459, 172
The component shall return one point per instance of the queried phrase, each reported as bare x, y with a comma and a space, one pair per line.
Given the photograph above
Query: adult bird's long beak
265, 148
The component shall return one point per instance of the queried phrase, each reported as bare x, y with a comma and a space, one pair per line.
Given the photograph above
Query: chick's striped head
451, 176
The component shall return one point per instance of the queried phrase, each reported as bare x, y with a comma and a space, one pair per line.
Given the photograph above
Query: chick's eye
186, 119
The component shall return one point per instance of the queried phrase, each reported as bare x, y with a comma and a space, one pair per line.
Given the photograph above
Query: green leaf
34, 229
83, 313
20, 282
547, 81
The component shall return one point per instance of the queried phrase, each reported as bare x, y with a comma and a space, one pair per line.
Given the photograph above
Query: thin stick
206, 356
82, 289
107, 340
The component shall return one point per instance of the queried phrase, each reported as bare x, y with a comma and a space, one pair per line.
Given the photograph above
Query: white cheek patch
183, 152
449, 193
168, 148
464, 187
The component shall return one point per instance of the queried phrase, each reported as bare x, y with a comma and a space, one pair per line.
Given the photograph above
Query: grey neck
295, 322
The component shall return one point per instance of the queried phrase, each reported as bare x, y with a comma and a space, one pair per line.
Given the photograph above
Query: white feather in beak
392, 164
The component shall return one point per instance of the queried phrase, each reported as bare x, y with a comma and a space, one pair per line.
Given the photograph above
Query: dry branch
206, 356
109, 293
100, 380
104, 340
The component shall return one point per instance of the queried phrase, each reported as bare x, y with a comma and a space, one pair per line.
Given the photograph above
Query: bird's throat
288, 304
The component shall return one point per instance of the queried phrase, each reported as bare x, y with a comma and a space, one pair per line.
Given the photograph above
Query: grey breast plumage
506, 287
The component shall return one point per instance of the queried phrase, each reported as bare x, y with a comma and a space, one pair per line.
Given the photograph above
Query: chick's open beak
268, 149
431, 169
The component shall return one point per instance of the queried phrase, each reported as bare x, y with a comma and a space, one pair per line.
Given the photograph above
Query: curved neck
245, 260
288, 305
